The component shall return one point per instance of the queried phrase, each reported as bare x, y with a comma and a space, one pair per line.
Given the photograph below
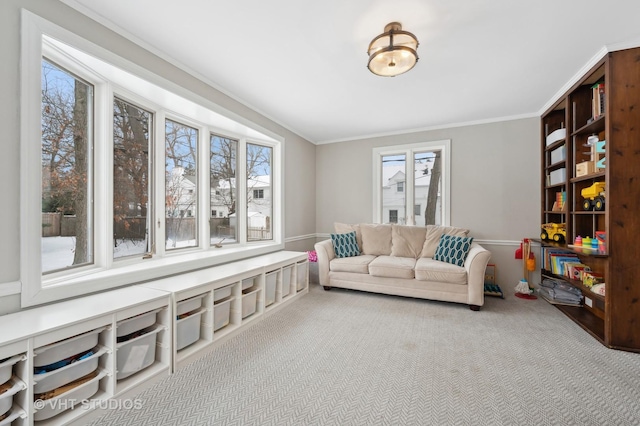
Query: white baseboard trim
7, 289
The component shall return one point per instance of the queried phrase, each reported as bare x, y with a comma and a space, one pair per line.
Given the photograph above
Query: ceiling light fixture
393, 52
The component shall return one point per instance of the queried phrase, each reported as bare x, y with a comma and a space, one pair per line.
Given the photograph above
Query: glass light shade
394, 52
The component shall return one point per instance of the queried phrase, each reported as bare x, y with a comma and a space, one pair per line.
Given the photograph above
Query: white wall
495, 184
299, 153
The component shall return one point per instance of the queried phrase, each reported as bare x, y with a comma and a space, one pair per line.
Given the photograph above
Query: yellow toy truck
593, 197
554, 231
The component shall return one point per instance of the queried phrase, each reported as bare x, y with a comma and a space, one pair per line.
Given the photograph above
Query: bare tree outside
434, 187
259, 192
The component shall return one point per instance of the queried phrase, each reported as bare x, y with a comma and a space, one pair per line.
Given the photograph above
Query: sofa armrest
475, 264
324, 250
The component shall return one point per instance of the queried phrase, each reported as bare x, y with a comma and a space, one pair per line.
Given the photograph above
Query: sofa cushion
376, 239
407, 241
434, 232
433, 270
392, 267
343, 228
452, 249
357, 264
345, 245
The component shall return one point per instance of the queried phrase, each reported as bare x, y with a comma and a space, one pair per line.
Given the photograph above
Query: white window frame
107, 272
444, 146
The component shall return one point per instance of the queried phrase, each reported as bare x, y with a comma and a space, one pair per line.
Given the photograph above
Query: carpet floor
352, 358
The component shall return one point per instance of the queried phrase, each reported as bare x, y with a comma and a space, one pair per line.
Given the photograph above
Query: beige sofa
399, 260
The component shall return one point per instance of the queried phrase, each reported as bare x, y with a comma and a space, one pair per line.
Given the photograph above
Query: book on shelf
597, 100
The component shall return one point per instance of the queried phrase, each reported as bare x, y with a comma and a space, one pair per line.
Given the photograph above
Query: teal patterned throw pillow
345, 245
452, 249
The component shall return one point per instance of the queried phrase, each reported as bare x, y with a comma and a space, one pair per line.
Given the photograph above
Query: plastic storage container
221, 314
6, 368
286, 280
70, 399
137, 323
189, 305
63, 349
6, 398
249, 303
67, 374
301, 272
222, 293
137, 354
248, 283
270, 288
188, 329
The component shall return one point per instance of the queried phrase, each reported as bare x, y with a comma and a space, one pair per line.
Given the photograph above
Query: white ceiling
303, 64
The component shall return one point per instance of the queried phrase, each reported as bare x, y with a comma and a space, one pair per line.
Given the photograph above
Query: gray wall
495, 184
299, 153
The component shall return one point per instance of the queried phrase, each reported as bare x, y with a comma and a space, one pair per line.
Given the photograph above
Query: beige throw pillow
376, 239
407, 241
434, 232
345, 228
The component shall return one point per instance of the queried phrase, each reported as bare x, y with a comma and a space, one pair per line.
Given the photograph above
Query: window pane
393, 194
427, 187
131, 182
181, 203
67, 217
223, 160
259, 209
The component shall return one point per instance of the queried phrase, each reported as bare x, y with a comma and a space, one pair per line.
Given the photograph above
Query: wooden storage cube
6, 367
585, 168
69, 399
189, 305
270, 288
9, 389
301, 272
188, 329
286, 280
55, 352
136, 323
50, 380
249, 303
222, 293
221, 314
137, 353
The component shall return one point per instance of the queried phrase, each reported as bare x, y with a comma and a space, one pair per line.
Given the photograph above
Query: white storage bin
270, 288
136, 354
249, 303
13, 415
188, 329
558, 155
137, 323
221, 314
222, 293
63, 349
189, 305
6, 368
301, 271
557, 176
6, 398
248, 282
67, 374
286, 280
556, 136
69, 399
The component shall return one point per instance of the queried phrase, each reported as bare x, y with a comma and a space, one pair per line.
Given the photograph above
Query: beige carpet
350, 358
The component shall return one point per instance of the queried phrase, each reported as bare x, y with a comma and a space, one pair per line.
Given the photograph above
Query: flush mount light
393, 52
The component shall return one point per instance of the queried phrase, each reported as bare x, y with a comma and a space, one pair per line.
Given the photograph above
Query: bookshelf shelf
599, 114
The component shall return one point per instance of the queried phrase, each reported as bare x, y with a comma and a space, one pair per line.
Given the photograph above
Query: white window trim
106, 272
408, 150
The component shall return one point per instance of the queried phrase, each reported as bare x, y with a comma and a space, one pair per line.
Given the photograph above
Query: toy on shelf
554, 231
593, 197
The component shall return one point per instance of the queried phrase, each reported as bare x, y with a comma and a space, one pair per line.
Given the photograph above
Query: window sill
96, 280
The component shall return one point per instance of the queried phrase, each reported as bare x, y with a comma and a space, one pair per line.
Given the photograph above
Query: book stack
559, 292
597, 100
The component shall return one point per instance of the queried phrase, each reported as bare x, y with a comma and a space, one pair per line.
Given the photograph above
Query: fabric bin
248, 283
189, 305
67, 374
63, 349
249, 303
270, 288
136, 354
286, 280
6, 398
222, 293
221, 314
136, 323
6, 368
301, 272
188, 329
69, 399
